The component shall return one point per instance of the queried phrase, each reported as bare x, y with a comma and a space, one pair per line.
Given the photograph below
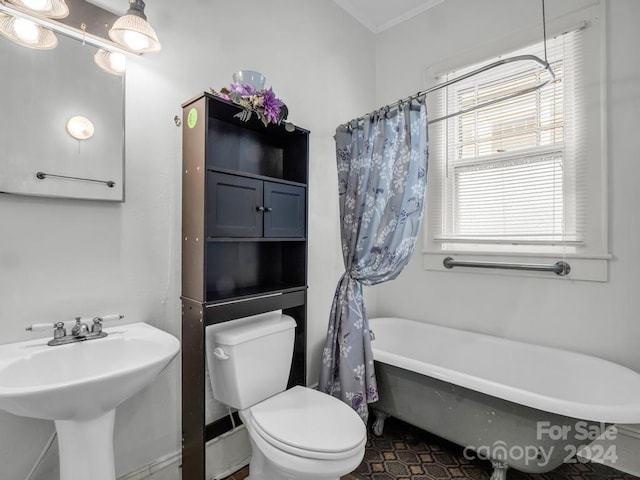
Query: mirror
43, 153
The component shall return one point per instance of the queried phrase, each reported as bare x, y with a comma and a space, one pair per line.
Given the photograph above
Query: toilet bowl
303, 434
295, 434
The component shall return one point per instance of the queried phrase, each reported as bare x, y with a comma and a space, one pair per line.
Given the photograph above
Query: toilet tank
249, 359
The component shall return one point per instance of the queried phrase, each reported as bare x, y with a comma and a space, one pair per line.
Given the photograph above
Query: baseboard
145, 472
233, 469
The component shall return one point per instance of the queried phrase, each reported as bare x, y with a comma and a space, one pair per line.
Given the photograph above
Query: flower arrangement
263, 103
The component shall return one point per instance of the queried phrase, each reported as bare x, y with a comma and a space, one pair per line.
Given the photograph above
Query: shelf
225, 110
255, 176
292, 300
240, 294
254, 239
234, 150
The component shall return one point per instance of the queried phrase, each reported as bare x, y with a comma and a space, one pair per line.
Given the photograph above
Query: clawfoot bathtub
516, 404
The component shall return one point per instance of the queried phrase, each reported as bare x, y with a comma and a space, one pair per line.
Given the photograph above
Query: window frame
589, 258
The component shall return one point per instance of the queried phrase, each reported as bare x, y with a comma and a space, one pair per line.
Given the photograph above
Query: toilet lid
309, 421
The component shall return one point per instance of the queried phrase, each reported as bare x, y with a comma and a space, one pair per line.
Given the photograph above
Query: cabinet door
234, 206
284, 210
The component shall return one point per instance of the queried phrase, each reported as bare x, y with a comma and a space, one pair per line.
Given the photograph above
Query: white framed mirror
61, 122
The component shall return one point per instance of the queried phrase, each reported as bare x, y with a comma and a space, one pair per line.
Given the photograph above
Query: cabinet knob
260, 209
268, 209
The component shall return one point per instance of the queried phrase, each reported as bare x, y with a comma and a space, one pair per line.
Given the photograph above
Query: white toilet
295, 434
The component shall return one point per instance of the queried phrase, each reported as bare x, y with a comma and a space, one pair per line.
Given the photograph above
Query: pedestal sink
79, 386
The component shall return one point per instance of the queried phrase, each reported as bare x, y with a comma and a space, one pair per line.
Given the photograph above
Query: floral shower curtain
382, 174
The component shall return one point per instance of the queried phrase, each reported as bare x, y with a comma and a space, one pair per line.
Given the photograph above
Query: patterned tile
405, 452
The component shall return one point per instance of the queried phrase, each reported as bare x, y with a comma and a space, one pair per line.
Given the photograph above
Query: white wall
596, 318
62, 258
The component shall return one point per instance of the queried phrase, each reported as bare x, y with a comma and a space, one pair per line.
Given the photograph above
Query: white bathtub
520, 405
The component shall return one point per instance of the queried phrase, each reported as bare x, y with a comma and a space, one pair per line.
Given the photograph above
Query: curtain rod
544, 63
517, 58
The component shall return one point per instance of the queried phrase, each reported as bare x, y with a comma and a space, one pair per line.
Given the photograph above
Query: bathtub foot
378, 424
499, 471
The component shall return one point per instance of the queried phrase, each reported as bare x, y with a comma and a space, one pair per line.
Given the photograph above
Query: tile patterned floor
408, 453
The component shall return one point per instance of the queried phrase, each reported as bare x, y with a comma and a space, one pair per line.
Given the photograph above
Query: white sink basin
85, 379
79, 385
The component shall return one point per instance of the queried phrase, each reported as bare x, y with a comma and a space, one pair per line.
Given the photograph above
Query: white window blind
511, 171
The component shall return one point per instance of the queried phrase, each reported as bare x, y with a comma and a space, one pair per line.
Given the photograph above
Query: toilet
295, 434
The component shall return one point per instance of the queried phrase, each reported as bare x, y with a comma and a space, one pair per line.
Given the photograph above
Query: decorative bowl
249, 77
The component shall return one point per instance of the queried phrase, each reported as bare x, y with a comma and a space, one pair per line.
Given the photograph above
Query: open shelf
253, 268
246, 151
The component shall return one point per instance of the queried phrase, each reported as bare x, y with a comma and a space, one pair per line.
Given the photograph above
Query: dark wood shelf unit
244, 243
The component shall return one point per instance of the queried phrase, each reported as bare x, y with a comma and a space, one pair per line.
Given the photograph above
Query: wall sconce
80, 128
111, 62
47, 8
26, 33
132, 30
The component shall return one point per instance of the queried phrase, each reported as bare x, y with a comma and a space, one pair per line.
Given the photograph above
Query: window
519, 177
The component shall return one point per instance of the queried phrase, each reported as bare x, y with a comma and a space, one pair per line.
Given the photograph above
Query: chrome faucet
80, 331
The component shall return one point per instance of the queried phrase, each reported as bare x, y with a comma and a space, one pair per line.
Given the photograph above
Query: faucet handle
41, 327
96, 327
58, 328
110, 317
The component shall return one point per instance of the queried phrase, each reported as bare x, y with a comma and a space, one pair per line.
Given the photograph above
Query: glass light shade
111, 62
80, 128
46, 8
135, 33
26, 33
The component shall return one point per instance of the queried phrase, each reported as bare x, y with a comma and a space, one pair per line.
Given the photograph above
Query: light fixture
26, 33
47, 8
80, 128
134, 32
111, 62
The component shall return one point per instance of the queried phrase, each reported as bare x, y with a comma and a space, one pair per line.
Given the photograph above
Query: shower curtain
382, 174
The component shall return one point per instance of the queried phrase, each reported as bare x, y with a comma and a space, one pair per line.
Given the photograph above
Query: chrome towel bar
43, 175
559, 268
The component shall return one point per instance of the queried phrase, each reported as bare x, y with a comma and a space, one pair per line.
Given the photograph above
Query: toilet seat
310, 424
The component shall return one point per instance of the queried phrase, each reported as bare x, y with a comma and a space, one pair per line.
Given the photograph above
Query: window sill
584, 267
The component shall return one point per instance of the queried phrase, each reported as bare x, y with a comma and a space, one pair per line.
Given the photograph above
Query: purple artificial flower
271, 105
243, 89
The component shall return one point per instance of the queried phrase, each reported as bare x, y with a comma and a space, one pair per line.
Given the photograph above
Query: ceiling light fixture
26, 33
47, 8
111, 62
134, 32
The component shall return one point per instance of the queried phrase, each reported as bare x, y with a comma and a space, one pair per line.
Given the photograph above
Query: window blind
510, 171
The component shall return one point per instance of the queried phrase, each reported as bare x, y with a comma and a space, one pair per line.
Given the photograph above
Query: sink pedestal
79, 385
86, 448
